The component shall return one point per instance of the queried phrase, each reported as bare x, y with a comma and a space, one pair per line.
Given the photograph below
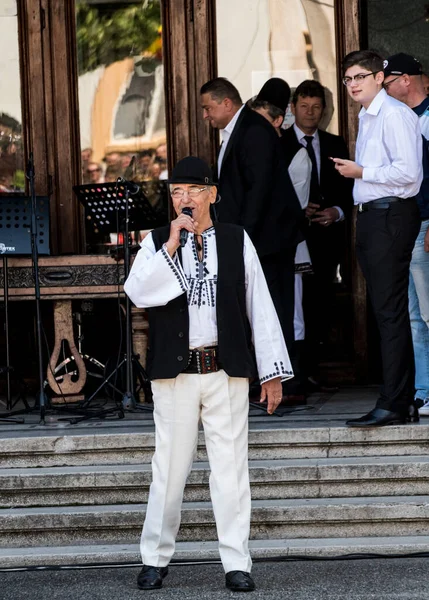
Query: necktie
314, 183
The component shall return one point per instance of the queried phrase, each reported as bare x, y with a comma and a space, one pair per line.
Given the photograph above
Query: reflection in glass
399, 26
291, 39
121, 92
11, 143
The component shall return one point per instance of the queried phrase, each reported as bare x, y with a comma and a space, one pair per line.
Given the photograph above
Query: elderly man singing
213, 326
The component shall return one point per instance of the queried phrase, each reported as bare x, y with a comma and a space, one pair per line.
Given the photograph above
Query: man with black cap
272, 102
256, 191
208, 307
403, 81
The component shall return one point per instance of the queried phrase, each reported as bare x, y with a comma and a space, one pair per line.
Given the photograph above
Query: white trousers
222, 404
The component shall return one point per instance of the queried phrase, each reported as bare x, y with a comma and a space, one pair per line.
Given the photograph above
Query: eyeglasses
386, 84
358, 78
193, 192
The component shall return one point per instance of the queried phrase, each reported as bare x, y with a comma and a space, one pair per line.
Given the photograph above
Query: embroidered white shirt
389, 148
156, 278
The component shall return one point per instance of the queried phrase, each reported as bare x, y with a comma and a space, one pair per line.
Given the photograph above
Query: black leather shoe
150, 578
378, 417
239, 581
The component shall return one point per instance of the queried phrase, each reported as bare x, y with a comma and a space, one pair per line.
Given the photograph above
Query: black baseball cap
402, 64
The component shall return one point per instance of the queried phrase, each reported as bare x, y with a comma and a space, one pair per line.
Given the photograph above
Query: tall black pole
128, 400
35, 258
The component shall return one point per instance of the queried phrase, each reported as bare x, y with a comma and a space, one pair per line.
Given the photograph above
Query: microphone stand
128, 399
30, 174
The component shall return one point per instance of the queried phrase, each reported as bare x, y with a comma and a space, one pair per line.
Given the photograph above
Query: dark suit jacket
335, 189
255, 188
326, 244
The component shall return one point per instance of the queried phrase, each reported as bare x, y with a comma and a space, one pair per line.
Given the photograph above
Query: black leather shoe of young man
150, 578
239, 581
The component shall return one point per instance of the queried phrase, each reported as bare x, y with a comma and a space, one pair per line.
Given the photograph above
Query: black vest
168, 348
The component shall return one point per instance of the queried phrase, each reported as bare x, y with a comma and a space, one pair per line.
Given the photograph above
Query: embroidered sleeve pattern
279, 370
176, 268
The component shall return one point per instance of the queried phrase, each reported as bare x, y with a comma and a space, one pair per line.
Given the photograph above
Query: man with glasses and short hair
387, 175
208, 307
403, 81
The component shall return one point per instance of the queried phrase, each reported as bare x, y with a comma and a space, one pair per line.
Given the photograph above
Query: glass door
11, 141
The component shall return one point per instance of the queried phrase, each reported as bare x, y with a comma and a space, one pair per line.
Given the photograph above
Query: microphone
132, 186
184, 232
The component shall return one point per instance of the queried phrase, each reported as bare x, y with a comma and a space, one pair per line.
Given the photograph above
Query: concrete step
271, 519
270, 479
48, 450
14, 558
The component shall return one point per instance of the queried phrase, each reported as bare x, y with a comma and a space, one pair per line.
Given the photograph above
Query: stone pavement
369, 579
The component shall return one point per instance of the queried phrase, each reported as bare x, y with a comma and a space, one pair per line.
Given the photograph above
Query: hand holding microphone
179, 230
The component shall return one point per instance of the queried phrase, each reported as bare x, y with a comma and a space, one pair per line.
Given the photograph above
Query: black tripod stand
21, 215
112, 207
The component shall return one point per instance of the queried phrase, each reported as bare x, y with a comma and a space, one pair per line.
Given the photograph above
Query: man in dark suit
329, 206
256, 191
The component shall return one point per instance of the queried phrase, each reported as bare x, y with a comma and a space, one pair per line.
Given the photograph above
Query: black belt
381, 203
203, 360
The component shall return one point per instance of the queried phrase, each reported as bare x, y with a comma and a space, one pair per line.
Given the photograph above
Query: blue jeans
418, 293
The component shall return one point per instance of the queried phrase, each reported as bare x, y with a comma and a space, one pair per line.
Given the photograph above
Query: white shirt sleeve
300, 176
155, 277
401, 137
272, 357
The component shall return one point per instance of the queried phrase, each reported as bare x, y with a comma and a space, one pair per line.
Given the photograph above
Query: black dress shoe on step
239, 581
150, 578
378, 417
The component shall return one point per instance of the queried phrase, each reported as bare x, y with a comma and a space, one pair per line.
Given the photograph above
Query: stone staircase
71, 499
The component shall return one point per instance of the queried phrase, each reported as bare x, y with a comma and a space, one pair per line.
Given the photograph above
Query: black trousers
384, 243
318, 297
279, 271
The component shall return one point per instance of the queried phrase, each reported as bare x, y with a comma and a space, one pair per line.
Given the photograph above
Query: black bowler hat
275, 91
192, 170
402, 64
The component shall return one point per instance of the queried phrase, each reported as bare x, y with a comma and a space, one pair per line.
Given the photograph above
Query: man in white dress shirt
212, 326
387, 173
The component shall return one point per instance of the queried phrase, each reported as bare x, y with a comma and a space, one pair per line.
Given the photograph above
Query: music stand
109, 207
15, 239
